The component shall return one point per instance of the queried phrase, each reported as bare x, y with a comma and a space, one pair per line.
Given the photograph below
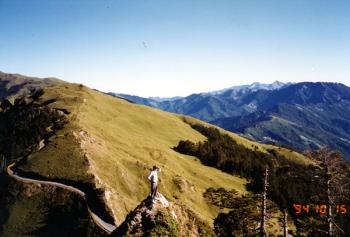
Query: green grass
63, 156
128, 139
118, 142
165, 225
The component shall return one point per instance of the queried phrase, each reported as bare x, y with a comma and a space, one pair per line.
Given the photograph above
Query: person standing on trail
153, 178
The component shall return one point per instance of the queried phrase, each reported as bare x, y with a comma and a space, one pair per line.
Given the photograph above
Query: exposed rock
143, 216
162, 218
41, 145
161, 201
183, 185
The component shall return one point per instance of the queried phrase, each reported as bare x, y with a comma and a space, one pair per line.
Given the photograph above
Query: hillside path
109, 228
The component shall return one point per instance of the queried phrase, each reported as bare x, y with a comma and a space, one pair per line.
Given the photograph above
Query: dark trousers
153, 189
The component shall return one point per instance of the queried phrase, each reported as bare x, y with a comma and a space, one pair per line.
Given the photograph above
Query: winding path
109, 228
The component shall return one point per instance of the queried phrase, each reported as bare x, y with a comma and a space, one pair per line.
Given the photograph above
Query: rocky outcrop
162, 218
143, 217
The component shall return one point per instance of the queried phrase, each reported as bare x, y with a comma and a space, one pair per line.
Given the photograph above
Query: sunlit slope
115, 143
123, 140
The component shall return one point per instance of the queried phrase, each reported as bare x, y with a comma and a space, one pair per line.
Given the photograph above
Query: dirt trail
109, 228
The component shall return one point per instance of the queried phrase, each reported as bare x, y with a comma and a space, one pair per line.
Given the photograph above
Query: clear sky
178, 47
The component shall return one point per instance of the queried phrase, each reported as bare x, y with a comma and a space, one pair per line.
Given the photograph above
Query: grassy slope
122, 141
63, 156
129, 139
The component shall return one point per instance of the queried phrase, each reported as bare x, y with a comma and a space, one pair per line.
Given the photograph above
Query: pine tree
263, 232
285, 222
333, 180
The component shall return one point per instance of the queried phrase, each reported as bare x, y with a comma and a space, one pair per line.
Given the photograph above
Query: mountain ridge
264, 114
207, 106
303, 116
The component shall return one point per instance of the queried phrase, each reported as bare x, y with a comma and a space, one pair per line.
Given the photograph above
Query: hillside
16, 84
132, 139
111, 147
105, 146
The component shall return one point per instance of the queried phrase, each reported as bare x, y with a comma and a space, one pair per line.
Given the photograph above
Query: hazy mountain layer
209, 106
302, 115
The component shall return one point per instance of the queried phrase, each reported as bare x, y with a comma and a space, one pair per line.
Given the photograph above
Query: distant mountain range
208, 106
303, 115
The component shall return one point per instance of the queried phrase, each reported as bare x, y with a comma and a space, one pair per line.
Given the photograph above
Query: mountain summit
251, 87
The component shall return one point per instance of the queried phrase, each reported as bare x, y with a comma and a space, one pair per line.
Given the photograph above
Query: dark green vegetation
25, 124
165, 225
220, 197
223, 152
244, 218
302, 116
289, 182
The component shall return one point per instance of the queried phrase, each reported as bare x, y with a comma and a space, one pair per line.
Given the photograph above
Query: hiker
153, 178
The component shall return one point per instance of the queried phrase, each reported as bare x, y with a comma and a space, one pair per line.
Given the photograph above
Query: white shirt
153, 176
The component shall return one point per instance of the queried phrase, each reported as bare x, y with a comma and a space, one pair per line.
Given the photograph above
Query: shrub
220, 197
165, 225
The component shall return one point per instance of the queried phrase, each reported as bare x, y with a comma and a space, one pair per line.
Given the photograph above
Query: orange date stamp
321, 209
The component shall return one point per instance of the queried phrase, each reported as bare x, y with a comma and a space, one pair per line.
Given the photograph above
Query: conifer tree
333, 180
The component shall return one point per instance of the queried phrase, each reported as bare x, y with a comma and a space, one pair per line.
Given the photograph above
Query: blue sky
168, 48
